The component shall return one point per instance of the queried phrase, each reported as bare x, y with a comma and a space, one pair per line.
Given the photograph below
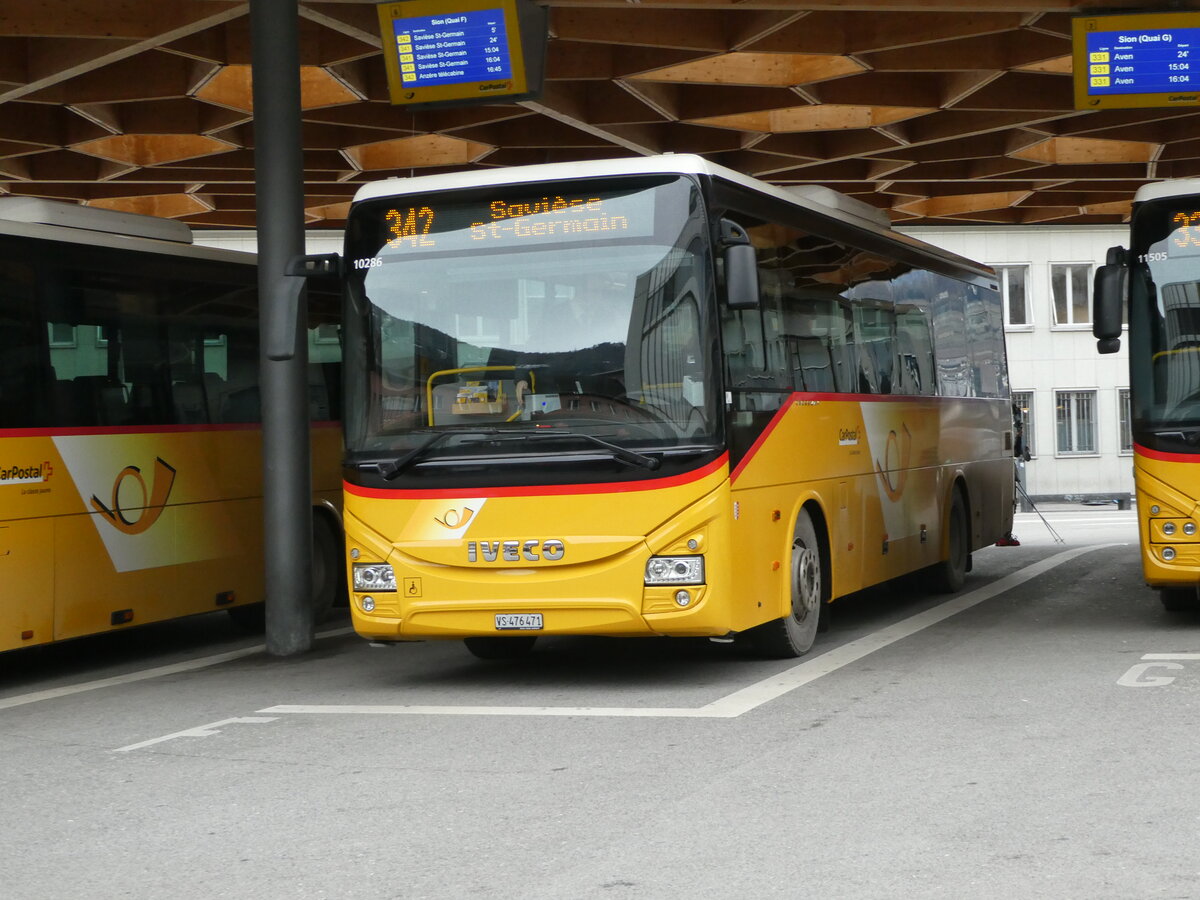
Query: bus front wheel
793, 634
1179, 599
500, 647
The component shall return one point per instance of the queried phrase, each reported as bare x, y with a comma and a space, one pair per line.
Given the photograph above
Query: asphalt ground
1031, 736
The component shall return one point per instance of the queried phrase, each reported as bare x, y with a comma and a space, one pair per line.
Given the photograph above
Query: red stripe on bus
1161, 456
551, 490
76, 431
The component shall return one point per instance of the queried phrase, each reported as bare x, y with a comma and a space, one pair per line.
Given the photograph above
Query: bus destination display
1138, 60
549, 219
439, 52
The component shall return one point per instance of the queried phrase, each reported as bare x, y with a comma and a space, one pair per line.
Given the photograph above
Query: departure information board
443, 53
1142, 60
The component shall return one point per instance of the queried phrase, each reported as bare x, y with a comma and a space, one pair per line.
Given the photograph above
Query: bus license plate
518, 621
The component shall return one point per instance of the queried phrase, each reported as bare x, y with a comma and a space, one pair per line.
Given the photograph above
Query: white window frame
1072, 326
1002, 278
1074, 427
1124, 422
1030, 430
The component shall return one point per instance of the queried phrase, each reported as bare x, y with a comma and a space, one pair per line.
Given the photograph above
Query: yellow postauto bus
656, 397
130, 450
1156, 283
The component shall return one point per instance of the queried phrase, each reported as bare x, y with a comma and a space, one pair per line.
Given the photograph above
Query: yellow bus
1156, 285
130, 450
656, 397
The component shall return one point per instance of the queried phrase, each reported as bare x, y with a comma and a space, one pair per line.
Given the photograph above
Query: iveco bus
656, 397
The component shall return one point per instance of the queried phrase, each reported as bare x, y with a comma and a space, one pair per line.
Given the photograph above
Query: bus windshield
571, 310
1164, 316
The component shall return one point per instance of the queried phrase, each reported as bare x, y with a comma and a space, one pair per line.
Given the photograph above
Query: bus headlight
675, 570
374, 577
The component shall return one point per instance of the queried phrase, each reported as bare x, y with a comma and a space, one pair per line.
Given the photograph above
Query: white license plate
518, 621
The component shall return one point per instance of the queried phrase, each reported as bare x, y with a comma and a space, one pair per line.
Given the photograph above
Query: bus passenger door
27, 573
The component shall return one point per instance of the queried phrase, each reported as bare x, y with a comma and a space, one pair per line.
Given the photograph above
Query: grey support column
278, 164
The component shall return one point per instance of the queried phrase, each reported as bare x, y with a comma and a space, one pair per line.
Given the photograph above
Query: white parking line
158, 671
199, 731
742, 701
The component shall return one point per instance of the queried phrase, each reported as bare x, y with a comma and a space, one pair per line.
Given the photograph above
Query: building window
1023, 414
62, 334
1013, 280
1075, 416
1126, 428
1069, 285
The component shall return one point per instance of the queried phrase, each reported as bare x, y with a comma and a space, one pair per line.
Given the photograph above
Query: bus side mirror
741, 267
1109, 292
315, 265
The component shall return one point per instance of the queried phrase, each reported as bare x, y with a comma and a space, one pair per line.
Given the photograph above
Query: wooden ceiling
940, 111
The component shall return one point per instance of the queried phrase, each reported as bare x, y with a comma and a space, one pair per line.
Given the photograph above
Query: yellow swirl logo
454, 518
152, 503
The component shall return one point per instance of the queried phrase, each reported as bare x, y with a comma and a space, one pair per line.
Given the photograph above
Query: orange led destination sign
471, 51
549, 218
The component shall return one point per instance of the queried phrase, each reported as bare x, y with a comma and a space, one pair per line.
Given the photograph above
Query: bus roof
823, 200
1161, 189
56, 220
832, 202
36, 211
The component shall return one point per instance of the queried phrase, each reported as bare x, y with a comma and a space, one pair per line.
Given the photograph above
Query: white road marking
199, 731
748, 698
1137, 677
158, 671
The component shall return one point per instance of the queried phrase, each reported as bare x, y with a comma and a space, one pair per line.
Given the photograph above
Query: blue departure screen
1143, 61
454, 48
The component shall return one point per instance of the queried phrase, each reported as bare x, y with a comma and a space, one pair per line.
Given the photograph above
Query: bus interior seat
190, 406
241, 405
98, 400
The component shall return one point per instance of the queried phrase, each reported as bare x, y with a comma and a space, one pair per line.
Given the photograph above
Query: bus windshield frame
1164, 323
532, 329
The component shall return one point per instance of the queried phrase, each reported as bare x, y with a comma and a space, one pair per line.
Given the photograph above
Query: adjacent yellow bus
1156, 284
130, 451
656, 397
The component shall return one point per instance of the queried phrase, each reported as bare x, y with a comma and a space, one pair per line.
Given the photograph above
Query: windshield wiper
390, 468
623, 454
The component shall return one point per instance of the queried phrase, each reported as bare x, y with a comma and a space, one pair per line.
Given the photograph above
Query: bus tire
1178, 599
327, 569
327, 579
947, 576
500, 647
793, 634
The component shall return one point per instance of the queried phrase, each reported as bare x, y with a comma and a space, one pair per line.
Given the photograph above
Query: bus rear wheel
793, 634
500, 647
947, 577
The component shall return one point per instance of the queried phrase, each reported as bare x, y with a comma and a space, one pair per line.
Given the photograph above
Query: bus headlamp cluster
374, 577
675, 570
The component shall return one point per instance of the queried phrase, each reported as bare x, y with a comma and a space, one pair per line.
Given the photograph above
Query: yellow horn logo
152, 503
453, 518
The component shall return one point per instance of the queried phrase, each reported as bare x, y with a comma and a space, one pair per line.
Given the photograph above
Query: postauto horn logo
26, 474
152, 501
